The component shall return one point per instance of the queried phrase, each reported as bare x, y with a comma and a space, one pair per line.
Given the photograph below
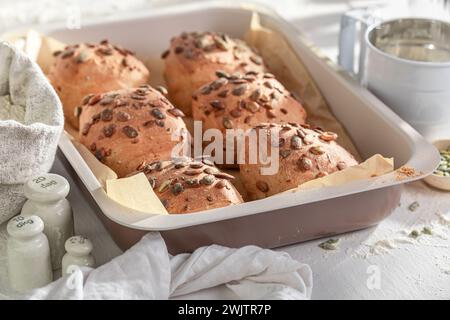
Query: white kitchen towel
147, 271
27, 146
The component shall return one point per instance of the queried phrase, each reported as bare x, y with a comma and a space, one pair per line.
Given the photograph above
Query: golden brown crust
193, 58
87, 68
185, 185
244, 101
125, 128
304, 154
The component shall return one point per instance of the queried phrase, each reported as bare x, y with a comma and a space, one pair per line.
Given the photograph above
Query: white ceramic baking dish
281, 219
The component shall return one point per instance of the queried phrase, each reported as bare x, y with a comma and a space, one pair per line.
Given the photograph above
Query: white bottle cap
47, 187
21, 227
78, 246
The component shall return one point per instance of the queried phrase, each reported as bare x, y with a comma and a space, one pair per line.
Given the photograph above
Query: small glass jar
47, 199
29, 264
78, 253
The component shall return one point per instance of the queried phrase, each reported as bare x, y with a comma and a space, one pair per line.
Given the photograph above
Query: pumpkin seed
330, 244
207, 180
164, 185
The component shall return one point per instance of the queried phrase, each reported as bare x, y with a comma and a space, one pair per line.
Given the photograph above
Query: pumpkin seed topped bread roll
89, 68
128, 127
193, 59
185, 185
304, 154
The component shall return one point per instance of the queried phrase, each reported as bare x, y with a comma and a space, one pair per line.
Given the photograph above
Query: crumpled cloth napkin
27, 148
147, 271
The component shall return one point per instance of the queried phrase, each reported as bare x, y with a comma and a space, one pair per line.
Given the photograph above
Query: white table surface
411, 269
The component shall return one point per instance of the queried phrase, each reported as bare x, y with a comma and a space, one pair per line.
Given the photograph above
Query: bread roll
186, 185
193, 59
304, 154
125, 128
87, 68
244, 101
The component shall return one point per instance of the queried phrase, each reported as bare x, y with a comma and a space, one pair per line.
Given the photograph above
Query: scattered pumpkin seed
330, 244
414, 234
443, 170
413, 206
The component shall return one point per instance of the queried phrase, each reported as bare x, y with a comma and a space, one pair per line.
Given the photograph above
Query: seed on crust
81, 57
256, 95
193, 172
256, 60
86, 128
176, 188
222, 74
252, 106
223, 94
86, 99
165, 203
94, 99
207, 180
308, 139
206, 90
107, 99
262, 186
162, 89
268, 84
67, 53
239, 90
164, 186
158, 114
106, 115
223, 175
192, 182
328, 136
235, 113
296, 142
196, 165
216, 84
341, 165
176, 112
165, 54
130, 132
285, 153
217, 104
220, 184
123, 116
109, 130
77, 111
304, 164
321, 174
227, 123
271, 114
317, 150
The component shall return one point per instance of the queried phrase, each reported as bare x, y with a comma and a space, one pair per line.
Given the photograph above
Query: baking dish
282, 219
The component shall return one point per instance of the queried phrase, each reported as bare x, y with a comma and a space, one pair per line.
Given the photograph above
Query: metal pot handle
351, 38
